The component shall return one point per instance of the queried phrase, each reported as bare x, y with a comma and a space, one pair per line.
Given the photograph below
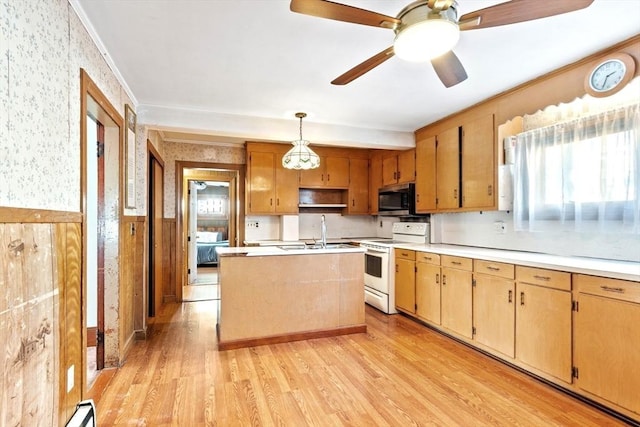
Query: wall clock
610, 75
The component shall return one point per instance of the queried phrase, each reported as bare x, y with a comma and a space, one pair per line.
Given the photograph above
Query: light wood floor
399, 373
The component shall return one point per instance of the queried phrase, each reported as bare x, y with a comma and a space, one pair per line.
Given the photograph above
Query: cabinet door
428, 292
314, 177
405, 285
478, 163
426, 175
261, 182
456, 301
337, 172
389, 170
494, 313
607, 356
358, 186
448, 169
543, 329
286, 189
375, 181
406, 166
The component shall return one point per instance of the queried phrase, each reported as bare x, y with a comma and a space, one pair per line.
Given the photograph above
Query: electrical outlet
253, 224
499, 228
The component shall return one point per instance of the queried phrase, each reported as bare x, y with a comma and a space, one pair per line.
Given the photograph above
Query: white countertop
276, 250
625, 270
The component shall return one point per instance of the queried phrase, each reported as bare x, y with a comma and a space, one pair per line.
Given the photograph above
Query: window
583, 174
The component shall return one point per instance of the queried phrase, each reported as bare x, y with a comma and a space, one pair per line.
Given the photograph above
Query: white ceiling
240, 69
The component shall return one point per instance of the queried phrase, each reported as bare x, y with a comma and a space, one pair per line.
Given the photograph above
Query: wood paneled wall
169, 273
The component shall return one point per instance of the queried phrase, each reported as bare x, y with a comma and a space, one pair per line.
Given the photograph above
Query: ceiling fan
429, 29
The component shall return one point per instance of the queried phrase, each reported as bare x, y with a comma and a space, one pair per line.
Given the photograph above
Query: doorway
155, 283
221, 222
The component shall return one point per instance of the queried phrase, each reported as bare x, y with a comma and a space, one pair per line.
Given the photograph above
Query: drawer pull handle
610, 289
396, 268
404, 254
437, 279
428, 258
510, 296
444, 279
545, 278
521, 298
456, 263
492, 268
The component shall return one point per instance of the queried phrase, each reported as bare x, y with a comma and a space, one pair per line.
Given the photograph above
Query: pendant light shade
300, 156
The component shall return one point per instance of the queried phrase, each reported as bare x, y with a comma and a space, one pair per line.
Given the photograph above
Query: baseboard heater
84, 415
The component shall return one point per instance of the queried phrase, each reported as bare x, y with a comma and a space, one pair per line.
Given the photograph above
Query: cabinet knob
455, 193
510, 295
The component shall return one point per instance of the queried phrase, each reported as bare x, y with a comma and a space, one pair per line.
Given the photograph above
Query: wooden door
405, 285
261, 182
337, 172
312, 178
607, 356
390, 170
478, 163
448, 169
406, 166
192, 231
426, 175
456, 301
428, 292
156, 250
358, 186
543, 329
494, 313
286, 189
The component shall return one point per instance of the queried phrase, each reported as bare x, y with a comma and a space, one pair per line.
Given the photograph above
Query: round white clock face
607, 75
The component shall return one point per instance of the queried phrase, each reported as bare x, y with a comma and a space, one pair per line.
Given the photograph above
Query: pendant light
300, 156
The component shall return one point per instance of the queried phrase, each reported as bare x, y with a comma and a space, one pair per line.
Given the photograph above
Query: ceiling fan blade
366, 66
449, 69
518, 11
342, 12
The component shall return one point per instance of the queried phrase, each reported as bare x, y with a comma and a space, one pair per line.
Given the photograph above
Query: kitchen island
271, 294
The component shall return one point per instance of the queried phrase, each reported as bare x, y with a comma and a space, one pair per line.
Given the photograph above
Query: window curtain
581, 175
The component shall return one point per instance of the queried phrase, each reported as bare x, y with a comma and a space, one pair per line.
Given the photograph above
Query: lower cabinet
493, 306
456, 296
405, 277
543, 320
607, 339
428, 287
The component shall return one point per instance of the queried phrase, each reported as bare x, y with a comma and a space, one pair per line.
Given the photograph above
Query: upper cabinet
358, 194
399, 167
456, 169
375, 179
332, 173
269, 189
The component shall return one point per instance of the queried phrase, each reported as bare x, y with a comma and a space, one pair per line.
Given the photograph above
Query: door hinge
574, 372
473, 282
188, 271
473, 330
133, 229
99, 337
415, 307
99, 149
415, 268
188, 238
574, 306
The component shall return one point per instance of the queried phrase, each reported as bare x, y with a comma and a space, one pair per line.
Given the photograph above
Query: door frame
181, 239
143, 301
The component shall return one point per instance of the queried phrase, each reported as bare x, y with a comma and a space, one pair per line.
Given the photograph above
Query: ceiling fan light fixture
425, 40
300, 156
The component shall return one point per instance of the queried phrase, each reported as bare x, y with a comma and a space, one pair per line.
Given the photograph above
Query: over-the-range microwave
397, 200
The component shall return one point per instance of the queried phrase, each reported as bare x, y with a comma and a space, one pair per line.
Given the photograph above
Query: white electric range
379, 271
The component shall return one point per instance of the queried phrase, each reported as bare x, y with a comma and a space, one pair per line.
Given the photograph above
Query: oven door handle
375, 251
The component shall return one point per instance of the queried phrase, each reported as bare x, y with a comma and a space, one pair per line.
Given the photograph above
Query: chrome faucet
323, 230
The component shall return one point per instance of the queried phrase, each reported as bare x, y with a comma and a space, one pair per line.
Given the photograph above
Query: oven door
376, 270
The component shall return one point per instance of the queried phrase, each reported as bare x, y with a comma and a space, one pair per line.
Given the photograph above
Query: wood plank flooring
399, 373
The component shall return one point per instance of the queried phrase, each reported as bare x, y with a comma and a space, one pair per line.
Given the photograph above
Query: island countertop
283, 250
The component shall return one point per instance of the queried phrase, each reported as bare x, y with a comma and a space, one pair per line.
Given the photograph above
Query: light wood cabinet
332, 173
272, 189
405, 280
479, 163
493, 306
426, 174
399, 168
375, 180
606, 339
456, 297
428, 287
358, 194
448, 169
543, 320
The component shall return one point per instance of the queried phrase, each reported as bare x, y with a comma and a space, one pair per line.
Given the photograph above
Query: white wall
477, 229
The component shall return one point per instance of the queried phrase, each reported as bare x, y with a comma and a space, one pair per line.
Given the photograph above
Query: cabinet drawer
499, 269
405, 254
428, 258
610, 288
549, 278
457, 262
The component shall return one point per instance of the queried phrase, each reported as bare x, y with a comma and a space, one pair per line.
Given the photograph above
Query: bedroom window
582, 175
